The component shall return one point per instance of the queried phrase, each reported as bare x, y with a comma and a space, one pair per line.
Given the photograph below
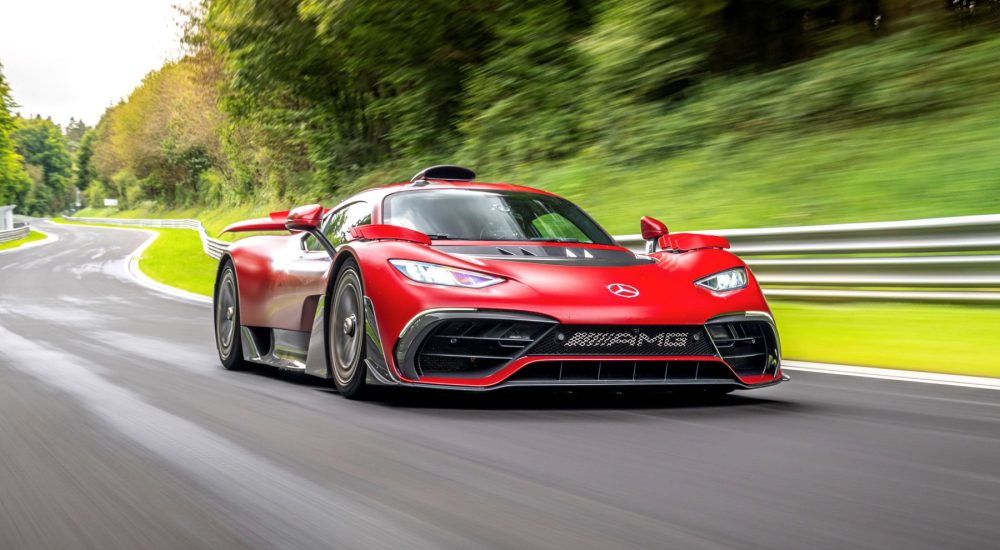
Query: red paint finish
257, 224
276, 278
571, 295
684, 242
279, 282
378, 232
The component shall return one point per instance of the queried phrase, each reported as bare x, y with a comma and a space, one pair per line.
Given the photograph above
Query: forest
824, 109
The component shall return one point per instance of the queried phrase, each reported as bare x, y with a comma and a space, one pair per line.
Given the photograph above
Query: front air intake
612, 372
749, 347
475, 347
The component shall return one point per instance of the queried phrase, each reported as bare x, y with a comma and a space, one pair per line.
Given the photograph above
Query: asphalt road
119, 429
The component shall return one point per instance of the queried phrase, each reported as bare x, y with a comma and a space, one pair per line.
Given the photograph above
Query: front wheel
227, 319
346, 333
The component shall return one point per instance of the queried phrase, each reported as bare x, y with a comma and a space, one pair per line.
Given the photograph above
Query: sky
75, 58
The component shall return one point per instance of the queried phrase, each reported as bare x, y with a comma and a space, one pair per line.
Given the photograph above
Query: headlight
434, 274
730, 279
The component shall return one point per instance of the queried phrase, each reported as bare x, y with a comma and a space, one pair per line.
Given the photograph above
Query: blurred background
708, 115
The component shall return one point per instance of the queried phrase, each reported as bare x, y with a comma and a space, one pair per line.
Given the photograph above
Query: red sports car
444, 282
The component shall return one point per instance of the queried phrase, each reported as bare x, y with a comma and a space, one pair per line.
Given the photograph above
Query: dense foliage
43, 148
302, 99
13, 178
35, 161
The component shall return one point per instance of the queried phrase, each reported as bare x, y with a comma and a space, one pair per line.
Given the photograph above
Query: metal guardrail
213, 247
20, 231
915, 260
937, 259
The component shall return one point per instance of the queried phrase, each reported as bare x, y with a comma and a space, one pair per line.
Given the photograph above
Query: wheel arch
228, 258
343, 255
318, 356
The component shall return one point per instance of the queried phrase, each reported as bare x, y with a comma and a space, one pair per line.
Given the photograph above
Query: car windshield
476, 215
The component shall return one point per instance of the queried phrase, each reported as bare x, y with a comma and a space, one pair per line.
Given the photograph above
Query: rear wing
277, 221
274, 222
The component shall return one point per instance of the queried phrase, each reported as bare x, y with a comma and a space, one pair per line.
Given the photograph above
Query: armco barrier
211, 246
20, 231
940, 259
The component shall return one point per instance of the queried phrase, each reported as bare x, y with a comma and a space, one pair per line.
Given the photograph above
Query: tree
166, 135
346, 85
85, 173
74, 133
525, 102
13, 179
42, 144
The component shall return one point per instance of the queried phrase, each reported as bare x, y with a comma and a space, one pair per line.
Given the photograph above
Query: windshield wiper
554, 240
435, 237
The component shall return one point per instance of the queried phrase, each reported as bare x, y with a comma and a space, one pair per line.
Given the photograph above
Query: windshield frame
601, 238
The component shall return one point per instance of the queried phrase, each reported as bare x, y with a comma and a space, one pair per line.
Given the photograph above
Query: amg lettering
642, 339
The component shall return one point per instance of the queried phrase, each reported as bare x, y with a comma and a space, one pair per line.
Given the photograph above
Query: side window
340, 224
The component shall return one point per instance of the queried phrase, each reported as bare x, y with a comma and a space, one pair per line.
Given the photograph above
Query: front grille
647, 340
750, 347
624, 372
475, 347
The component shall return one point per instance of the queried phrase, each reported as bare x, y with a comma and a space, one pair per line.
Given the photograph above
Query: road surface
119, 429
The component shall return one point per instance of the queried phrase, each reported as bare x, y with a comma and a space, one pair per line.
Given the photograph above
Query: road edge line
921, 377
140, 278
49, 238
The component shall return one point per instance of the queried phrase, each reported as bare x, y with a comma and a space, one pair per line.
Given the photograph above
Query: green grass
926, 337
175, 258
928, 167
32, 236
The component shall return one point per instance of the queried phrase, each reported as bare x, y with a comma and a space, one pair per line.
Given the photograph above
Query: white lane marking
976, 382
49, 238
141, 278
135, 274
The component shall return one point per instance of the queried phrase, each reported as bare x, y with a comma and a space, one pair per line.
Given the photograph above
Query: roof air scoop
446, 172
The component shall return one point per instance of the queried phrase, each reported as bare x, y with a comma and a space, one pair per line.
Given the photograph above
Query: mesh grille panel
475, 347
625, 372
662, 341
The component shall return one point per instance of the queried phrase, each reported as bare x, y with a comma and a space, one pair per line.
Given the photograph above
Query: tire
226, 308
345, 334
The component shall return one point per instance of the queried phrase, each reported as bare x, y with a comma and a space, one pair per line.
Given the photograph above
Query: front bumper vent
749, 347
623, 372
475, 347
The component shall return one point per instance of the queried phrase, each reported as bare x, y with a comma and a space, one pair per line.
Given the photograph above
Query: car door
302, 279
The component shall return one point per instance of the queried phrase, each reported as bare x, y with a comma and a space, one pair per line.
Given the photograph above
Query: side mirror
305, 218
652, 230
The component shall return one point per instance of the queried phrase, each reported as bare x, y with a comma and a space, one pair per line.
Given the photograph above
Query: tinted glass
339, 224
464, 214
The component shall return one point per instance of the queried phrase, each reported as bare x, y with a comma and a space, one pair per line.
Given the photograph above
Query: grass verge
952, 339
32, 236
